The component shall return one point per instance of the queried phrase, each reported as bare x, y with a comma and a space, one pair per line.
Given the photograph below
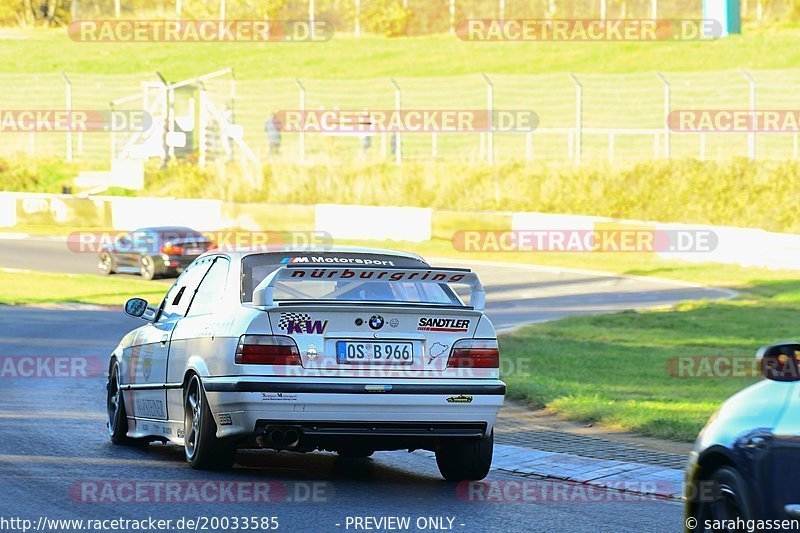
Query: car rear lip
327, 428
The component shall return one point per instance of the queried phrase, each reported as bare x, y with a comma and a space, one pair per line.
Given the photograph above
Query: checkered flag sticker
286, 318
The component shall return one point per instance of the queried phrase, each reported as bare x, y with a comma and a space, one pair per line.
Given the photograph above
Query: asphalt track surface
56, 461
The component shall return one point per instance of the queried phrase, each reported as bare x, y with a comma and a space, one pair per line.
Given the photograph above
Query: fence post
667, 109
452, 17
602, 9
611, 147
529, 145
578, 118
68, 105
301, 145
202, 130
502, 9
178, 8
223, 8
114, 136
358, 17
751, 136
490, 113
232, 93
311, 19
702, 146
398, 140
171, 119
654, 9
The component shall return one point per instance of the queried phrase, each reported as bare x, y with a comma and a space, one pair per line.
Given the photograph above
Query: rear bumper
410, 408
496, 388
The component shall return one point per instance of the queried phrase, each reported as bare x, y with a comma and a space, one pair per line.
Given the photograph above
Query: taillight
474, 353
210, 245
171, 249
267, 350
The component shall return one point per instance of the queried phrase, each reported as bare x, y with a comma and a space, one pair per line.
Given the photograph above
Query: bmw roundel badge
376, 322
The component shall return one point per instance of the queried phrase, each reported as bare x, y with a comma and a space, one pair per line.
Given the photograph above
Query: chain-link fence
583, 118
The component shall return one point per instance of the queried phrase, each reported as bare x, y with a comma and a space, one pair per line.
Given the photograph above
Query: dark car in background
745, 467
163, 251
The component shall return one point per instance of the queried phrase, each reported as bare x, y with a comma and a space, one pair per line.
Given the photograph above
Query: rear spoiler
263, 293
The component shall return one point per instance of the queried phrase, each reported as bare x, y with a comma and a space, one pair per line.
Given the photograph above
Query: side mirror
138, 308
780, 362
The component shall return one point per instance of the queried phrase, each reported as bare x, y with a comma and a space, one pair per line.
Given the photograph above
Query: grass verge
28, 287
614, 369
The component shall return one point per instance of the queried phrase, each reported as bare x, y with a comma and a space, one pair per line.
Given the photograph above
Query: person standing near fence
272, 127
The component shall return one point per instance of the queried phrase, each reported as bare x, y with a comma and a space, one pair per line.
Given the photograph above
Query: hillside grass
739, 192
40, 50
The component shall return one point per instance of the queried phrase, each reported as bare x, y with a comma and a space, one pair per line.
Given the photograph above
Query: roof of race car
243, 251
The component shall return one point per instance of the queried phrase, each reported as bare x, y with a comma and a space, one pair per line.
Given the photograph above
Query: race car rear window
257, 267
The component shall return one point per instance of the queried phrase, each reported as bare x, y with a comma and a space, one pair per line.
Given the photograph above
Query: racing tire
730, 499
465, 460
203, 450
147, 268
115, 403
106, 264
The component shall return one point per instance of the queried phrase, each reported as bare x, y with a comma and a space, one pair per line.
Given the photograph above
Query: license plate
390, 353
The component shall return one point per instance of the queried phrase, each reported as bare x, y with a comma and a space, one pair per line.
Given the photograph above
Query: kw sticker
443, 324
301, 323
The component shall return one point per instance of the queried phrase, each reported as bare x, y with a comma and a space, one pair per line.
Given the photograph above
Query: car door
147, 357
121, 249
784, 460
198, 334
144, 242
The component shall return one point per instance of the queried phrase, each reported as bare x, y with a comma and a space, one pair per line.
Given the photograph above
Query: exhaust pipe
276, 437
291, 438
281, 438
